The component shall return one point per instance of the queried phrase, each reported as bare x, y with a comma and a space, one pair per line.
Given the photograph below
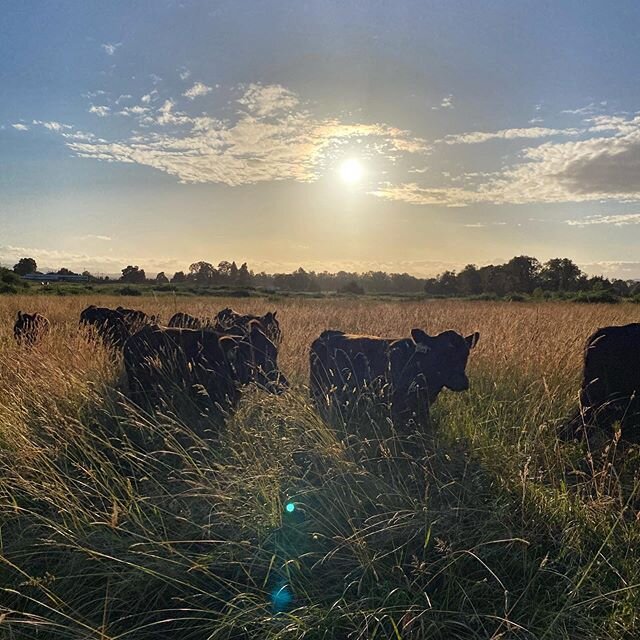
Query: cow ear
472, 340
19, 315
273, 315
422, 340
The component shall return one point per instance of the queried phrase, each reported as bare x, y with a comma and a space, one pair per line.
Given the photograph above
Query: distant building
54, 277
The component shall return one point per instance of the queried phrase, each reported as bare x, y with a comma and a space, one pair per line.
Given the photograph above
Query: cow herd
215, 357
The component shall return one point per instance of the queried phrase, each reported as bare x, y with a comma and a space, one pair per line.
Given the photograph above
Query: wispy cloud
91, 236
20, 127
618, 220
603, 166
265, 100
272, 137
100, 110
111, 47
198, 89
476, 137
445, 103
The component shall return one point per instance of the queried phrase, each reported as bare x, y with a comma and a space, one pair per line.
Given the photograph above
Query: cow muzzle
459, 383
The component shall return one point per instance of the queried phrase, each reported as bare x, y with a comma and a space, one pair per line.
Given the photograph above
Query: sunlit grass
116, 523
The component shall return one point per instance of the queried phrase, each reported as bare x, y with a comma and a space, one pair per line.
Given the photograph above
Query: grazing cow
109, 324
610, 390
185, 321
30, 327
135, 320
408, 373
158, 358
228, 318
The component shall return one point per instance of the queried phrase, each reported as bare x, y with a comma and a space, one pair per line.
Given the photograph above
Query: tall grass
116, 523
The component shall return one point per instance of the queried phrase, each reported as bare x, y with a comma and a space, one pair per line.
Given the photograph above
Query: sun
351, 171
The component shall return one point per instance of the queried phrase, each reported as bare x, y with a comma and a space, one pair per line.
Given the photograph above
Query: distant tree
25, 266
469, 281
233, 273
299, 280
560, 274
621, 287
202, 272
161, 278
493, 279
245, 277
522, 274
66, 272
351, 287
448, 283
179, 276
133, 275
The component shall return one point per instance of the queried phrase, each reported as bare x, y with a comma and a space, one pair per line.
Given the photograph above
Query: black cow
159, 358
408, 373
29, 328
109, 324
135, 319
186, 321
610, 390
228, 318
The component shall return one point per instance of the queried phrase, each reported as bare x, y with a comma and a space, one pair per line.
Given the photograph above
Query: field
115, 523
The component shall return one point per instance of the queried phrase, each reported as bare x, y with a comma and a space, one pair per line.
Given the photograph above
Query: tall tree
25, 266
133, 275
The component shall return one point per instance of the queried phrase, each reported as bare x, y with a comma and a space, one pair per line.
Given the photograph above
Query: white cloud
603, 167
184, 74
475, 137
136, 110
445, 103
618, 220
100, 110
20, 127
92, 236
148, 97
266, 100
198, 89
268, 140
111, 47
52, 126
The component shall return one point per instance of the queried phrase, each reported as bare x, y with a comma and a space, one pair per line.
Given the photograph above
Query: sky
163, 132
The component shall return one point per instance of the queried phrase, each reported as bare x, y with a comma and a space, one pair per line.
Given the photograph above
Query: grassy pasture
116, 524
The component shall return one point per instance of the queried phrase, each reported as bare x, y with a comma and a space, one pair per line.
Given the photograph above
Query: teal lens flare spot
290, 507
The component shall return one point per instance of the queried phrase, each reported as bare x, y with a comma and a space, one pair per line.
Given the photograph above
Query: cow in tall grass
228, 318
161, 359
405, 374
108, 324
610, 390
114, 326
29, 328
186, 321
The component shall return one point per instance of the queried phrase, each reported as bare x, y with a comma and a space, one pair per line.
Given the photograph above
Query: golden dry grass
499, 531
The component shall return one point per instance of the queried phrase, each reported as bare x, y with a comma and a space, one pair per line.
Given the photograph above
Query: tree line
520, 275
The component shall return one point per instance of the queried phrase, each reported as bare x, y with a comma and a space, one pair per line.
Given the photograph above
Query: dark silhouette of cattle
610, 384
134, 319
185, 321
29, 328
109, 324
159, 360
406, 374
228, 318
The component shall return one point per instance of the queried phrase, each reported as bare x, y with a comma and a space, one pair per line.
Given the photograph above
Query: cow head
440, 361
254, 358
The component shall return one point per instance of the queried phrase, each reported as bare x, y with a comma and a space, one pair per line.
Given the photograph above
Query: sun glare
351, 171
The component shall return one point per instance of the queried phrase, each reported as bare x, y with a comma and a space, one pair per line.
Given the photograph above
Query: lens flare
290, 507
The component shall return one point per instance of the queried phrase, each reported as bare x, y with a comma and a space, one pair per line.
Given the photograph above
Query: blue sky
162, 132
